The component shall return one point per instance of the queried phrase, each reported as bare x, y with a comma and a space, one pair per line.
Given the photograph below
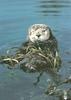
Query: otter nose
38, 35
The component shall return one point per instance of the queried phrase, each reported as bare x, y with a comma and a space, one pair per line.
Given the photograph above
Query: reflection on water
15, 18
53, 7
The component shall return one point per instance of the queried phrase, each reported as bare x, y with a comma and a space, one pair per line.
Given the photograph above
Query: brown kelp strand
63, 94
53, 60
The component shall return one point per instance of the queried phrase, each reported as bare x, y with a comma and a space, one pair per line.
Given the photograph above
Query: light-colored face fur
39, 32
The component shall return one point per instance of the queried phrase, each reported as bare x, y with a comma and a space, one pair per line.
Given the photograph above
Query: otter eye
43, 30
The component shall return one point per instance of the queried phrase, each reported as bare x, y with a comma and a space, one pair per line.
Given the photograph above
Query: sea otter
39, 52
41, 49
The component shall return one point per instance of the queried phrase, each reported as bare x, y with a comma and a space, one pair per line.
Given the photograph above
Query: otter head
39, 32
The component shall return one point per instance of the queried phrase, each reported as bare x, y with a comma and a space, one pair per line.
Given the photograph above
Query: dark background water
15, 18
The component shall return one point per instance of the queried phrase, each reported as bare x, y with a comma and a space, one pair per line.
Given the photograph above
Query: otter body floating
39, 52
41, 49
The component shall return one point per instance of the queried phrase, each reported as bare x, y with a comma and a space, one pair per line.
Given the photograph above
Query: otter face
39, 32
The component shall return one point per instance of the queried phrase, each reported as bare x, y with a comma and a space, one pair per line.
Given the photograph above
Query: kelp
52, 58
55, 90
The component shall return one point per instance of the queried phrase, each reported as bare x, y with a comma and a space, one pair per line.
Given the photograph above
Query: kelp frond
10, 59
52, 59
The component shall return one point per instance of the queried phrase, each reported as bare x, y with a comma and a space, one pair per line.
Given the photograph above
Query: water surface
15, 18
